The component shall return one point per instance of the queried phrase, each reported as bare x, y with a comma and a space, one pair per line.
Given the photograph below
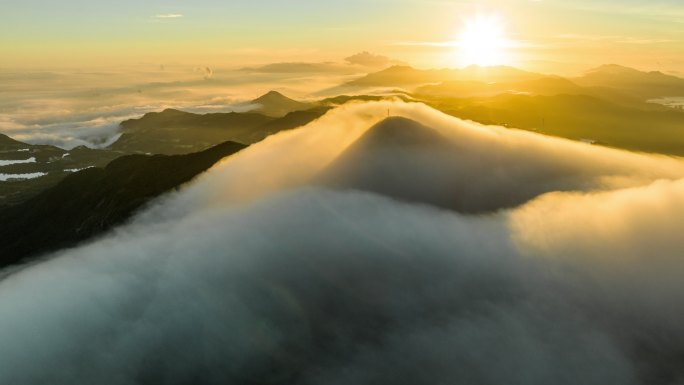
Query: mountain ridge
90, 202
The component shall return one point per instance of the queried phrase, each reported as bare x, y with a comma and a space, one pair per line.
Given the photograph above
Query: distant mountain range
608, 105
603, 80
409, 161
644, 84
26, 170
178, 132
400, 76
90, 202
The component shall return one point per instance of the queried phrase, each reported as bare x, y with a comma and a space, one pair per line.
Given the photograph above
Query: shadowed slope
94, 200
178, 132
407, 160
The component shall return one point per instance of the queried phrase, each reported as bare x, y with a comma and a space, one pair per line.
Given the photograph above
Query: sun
482, 42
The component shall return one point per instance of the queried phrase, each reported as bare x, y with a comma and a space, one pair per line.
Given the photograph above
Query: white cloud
256, 273
168, 16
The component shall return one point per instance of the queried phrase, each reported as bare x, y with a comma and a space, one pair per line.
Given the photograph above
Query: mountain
645, 85
291, 120
178, 132
412, 162
545, 86
397, 157
403, 76
577, 117
7, 143
92, 201
27, 169
277, 105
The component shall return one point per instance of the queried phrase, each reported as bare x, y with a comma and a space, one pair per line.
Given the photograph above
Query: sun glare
482, 42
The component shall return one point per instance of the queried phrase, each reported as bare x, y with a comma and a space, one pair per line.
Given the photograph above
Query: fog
82, 107
285, 264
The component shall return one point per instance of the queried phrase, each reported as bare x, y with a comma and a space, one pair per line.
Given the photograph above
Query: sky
557, 36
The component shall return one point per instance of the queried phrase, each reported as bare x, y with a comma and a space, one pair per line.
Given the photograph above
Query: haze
341, 193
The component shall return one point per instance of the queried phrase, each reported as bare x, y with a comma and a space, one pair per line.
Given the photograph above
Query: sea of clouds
71, 108
420, 250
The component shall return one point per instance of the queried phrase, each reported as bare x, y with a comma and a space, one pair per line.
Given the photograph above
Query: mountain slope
643, 84
402, 76
409, 161
92, 201
278, 105
541, 86
178, 132
26, 169
290, 121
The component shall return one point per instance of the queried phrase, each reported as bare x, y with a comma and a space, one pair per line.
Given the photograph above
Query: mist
343, 253
83, 107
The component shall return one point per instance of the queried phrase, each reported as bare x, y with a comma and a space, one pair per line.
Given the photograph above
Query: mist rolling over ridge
278, 279
368, 192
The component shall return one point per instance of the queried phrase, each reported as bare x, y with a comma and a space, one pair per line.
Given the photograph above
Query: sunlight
482, 42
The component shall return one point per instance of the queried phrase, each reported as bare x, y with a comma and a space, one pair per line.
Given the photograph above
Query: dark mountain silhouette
409, 161
277, 105
178, 132
18, 159
546, 86
642, 84
7, 143
92, 201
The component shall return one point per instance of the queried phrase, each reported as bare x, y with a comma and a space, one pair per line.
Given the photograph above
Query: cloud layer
75, 108
258, 273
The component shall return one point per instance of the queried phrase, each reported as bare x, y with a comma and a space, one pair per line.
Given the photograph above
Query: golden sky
561, 36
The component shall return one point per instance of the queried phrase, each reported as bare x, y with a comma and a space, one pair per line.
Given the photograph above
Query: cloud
368, 59
168, 16
85, 108
256, 272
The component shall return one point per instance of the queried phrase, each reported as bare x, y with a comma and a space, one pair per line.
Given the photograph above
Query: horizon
405, 192
561, 37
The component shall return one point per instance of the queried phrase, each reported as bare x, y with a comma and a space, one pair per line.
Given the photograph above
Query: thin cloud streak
169, 16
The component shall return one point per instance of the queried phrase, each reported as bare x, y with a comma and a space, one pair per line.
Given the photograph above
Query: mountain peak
401, 131
272, 96
273, 103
